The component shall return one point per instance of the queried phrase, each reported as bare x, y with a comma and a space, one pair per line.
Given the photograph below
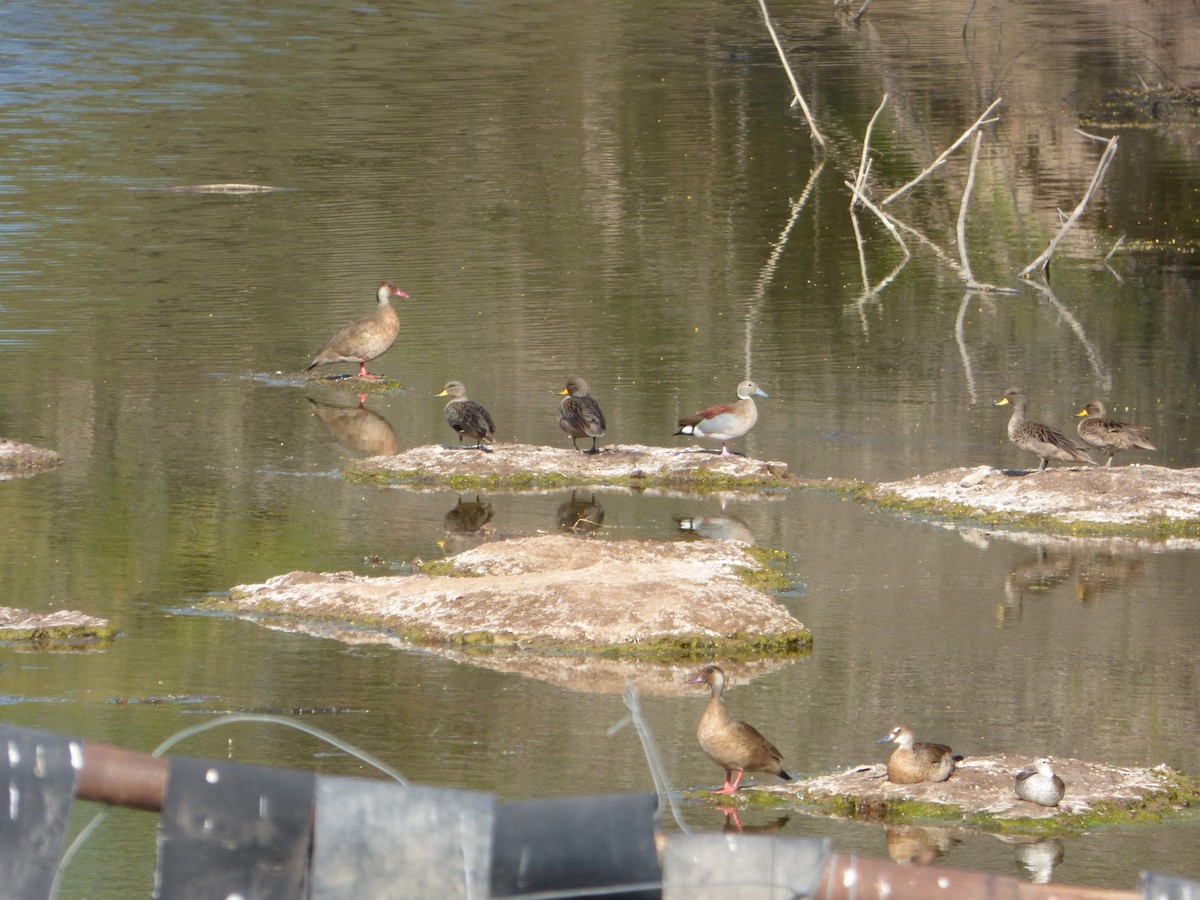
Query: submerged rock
518, 466
552, 593
18, 460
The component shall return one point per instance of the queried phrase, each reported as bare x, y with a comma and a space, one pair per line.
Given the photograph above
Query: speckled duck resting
467, 417
732, 745
914, 762
579, 415
1042, 440
726, 422
1038, 784
364, 339
1109, 436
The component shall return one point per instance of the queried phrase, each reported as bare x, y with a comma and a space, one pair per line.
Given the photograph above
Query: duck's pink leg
730, 788
365, 375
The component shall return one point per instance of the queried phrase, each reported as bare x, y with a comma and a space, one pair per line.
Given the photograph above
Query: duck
364, 339
468, 417
1038, 784
579, 415
732, 745
1109, 436
725, 422
1041, 440
914, 762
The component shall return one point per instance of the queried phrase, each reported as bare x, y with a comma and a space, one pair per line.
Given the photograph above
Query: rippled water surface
619, 191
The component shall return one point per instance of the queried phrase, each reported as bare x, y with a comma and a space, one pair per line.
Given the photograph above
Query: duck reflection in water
733, 822
1102, 573
716, 528
1034, 577
356, 427
468, 516
1040, 857
918, 844
579, 516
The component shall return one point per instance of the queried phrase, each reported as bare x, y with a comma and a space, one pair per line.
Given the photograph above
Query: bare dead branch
1115, 248
937, 163
1106, 158
883, 217
961, 227
857, 17
799, 98
866, 148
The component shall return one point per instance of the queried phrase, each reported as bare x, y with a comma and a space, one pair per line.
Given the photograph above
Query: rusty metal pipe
121, 777
861, 878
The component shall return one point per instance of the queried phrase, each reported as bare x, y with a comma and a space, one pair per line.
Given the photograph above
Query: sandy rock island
979, 794
518, 466
1149, 500
552, 593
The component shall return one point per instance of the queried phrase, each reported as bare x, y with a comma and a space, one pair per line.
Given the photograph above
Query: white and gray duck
1038, 784
725, 422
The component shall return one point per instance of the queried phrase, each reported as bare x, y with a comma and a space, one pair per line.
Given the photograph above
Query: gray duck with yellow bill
732, 745
913, 762
364, 339
1038, 784
1109, 436
725, 422
579, 415
467, 417
1045, 442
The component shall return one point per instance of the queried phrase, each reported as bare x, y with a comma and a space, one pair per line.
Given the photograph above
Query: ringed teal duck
914, 762
1038, 784
725, 422
467, 417
1042, 440
364, 339
579, 415
1109, 436
732, 745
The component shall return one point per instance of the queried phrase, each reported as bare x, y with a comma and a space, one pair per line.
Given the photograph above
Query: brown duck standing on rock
914, 762
365, 339
732, 745
1041, 440
1109, 436
579, 415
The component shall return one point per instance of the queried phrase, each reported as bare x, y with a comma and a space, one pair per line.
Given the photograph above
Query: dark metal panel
381, 840
37, 787
584, 843
234, 831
